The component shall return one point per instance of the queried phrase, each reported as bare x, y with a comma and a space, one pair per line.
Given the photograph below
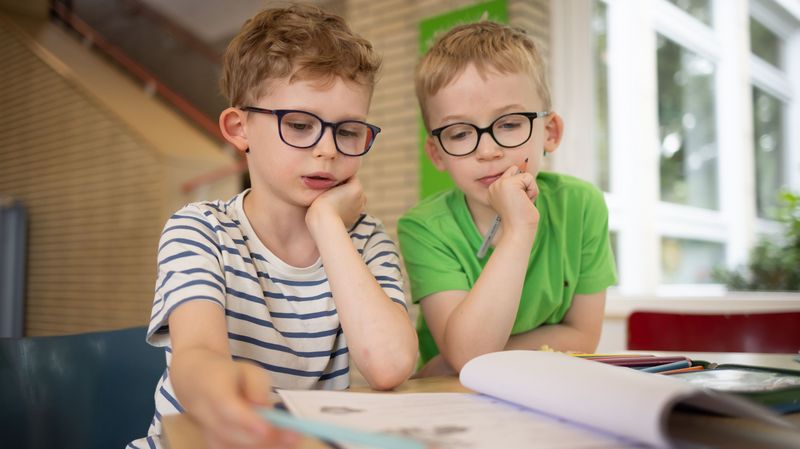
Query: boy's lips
488, 180
319, 181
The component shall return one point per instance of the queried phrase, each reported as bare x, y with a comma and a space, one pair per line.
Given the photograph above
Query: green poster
432, 180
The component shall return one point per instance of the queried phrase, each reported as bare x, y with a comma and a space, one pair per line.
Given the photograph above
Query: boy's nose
326, 147
487, 149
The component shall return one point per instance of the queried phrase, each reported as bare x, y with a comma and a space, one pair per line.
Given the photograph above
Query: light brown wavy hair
490, 46
301, 42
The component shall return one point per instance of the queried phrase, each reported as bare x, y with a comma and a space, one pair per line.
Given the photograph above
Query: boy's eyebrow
499, 111
327, 117
454, 118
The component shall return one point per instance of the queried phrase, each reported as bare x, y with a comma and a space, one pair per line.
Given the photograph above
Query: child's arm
579, 331
380, 336
216, 391
468, 324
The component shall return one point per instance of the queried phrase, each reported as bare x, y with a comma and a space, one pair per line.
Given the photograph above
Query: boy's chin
308, 198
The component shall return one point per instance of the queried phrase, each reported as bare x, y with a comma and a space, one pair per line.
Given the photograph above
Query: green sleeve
432, 267
597, 271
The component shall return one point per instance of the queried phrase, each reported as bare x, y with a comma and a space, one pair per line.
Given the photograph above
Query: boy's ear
232, 124
433, 153
554, 131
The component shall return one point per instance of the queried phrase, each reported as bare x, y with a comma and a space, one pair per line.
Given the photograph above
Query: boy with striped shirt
281, 284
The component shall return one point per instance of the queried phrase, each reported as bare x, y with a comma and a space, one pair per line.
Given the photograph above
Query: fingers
254, 388
227, 412
522, 181
237, 423
529, 184
512, 195
222, 399
344, 202
239, 426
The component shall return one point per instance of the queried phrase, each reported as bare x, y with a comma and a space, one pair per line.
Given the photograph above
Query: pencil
496, 223
684, 370
340, 434
638, 361
667, 367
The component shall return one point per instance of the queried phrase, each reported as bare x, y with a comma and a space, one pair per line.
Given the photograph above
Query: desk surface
182, 433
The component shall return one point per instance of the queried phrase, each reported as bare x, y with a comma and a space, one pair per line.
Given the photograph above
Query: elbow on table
388, 374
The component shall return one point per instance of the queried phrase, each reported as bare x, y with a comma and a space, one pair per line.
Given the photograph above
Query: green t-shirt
571, 253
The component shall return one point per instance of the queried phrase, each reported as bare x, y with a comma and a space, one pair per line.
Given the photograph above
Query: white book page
446, 420
615, 399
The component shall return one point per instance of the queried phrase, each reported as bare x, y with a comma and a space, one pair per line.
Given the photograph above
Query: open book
542, 399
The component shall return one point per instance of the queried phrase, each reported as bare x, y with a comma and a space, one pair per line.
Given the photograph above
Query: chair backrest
773, 332
88, 391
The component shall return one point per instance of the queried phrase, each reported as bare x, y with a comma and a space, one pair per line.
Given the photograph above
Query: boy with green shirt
543, 281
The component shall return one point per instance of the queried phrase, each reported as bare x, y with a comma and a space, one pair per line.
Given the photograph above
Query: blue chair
87, 391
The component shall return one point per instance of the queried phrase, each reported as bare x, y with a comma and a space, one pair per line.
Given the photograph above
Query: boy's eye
508, 125
298, 126
459, 133
349, 132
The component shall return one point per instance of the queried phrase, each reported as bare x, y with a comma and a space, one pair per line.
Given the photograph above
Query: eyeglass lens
303, 130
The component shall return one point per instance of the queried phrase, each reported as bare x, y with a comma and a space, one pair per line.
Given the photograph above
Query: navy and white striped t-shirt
281, 317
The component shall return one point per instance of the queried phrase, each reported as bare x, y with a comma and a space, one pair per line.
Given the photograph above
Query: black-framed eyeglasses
508, 130
301, 129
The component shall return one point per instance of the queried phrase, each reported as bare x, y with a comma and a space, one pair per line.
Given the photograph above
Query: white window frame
777, 82
637, 214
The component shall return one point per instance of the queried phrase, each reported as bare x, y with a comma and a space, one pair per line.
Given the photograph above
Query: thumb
256, 385
510, 171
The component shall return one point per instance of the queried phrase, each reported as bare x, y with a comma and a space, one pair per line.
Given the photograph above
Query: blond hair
300, 42
487, 45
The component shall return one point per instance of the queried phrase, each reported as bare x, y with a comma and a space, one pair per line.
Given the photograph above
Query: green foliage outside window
774, 264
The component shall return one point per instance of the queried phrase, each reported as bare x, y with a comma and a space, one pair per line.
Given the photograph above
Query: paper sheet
446, 420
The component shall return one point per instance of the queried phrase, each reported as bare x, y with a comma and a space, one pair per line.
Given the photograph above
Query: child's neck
281, 227
482, 215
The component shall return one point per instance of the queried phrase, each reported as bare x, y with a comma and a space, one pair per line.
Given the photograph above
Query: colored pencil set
646, 362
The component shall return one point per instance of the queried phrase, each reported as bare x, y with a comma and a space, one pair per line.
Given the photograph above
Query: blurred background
685, 112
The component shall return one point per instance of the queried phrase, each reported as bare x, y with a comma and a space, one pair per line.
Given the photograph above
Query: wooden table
182, 433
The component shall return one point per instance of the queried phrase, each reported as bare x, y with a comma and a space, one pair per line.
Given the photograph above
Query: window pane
599, 51
614, 242
768, 136
765, 44
689, 261
699, 9
687, 126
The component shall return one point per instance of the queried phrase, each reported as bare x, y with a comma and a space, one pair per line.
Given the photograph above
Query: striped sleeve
383, 261
189, 269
